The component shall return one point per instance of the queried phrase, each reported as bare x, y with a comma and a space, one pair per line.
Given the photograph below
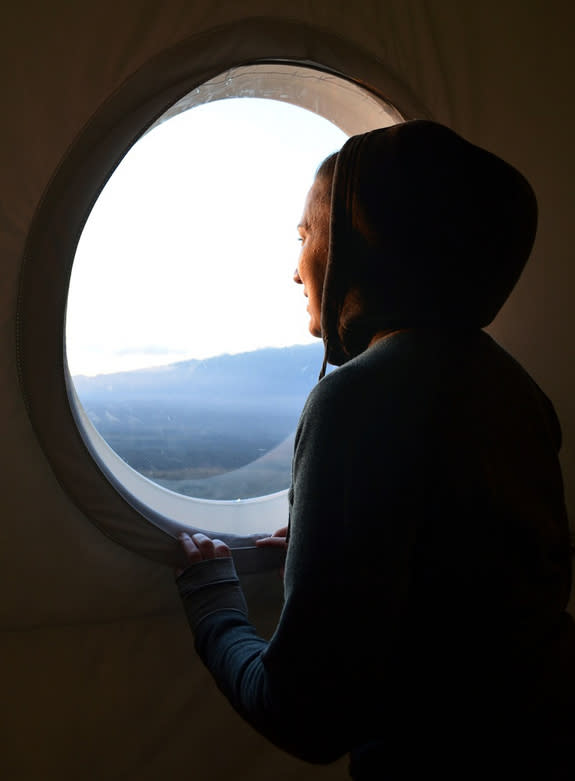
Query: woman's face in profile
314, 236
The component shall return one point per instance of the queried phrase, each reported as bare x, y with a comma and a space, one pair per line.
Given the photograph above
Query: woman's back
430, 460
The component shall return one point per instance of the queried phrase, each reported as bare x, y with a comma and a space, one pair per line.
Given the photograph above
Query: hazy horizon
313, 343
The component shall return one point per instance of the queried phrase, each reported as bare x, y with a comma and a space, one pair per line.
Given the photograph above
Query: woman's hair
325, 173
327, 167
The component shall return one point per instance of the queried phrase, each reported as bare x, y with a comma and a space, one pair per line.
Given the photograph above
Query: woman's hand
277, 540
210, 588
198, 547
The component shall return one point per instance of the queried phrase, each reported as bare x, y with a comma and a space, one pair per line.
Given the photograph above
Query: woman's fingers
189, 548
271, 542
204, 545
277, 539
198, 547
221, 550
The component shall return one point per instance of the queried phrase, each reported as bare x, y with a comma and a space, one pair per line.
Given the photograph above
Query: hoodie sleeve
285, 687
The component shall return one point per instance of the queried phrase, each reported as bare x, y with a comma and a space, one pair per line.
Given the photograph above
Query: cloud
149, 349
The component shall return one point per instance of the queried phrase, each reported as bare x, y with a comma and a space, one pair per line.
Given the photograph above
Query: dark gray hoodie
428, 568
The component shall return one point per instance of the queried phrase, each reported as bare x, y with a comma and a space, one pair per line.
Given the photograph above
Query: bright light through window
184, 273
190, 249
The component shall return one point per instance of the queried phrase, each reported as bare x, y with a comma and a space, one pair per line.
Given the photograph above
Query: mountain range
219, 428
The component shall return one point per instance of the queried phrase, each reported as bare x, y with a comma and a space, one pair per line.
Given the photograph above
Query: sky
190, 250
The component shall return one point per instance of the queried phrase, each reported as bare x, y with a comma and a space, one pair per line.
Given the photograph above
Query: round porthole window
174, 358
197, 372
186, 340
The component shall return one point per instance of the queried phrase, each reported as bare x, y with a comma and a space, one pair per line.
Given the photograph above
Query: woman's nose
297, 278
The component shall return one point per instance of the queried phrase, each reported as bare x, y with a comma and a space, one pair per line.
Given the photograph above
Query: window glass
186, 338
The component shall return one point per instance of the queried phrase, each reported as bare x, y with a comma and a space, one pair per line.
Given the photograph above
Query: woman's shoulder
390, 365
379, 383
414, 372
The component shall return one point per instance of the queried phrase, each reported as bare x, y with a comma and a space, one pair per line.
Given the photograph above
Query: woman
428, 561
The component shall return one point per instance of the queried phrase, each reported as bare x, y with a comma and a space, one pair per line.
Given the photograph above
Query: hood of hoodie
426, 229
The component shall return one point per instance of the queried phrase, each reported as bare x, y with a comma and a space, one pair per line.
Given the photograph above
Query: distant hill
219, 428
272, 371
